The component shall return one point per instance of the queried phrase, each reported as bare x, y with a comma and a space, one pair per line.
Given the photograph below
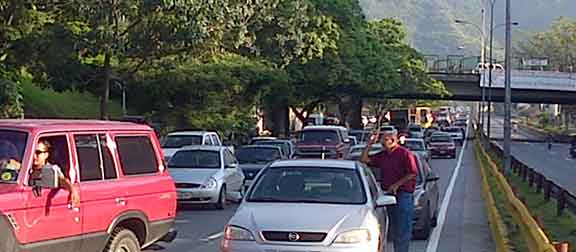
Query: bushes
11, 103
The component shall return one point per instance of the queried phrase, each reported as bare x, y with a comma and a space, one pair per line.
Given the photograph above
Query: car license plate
184, 195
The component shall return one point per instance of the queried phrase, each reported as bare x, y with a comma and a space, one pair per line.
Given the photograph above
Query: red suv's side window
94, 157
137, 155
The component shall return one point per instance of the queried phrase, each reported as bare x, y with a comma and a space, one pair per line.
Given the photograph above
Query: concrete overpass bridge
527, 87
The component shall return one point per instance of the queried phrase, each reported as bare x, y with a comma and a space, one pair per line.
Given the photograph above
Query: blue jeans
400, 217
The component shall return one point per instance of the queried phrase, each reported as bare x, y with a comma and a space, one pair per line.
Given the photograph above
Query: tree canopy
203, 63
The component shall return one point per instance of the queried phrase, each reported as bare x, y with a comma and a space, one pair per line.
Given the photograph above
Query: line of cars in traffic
295, 178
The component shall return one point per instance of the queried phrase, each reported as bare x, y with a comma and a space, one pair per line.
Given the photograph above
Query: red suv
127, 199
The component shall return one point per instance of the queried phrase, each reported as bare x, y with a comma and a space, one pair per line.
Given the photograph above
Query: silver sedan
206, 175
311, 205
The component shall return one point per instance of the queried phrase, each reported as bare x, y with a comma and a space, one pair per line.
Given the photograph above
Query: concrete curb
499, 232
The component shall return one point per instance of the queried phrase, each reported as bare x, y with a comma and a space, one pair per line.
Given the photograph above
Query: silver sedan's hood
305, 217
196, 176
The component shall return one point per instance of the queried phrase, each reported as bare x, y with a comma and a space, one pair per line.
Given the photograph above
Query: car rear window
179, 141
415, 145
137, 155
285, 148
319, 136
195, 159
256, 155
440, 139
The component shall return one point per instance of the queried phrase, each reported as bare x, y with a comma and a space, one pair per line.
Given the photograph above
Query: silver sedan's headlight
210, 184
354, 236
237, 234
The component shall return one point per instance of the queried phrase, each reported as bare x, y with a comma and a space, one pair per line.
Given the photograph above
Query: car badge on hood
293, 236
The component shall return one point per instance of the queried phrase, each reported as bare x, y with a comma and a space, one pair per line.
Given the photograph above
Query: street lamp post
482, 61
507, 93
491, 66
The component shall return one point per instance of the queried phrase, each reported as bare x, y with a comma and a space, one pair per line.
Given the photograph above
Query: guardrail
564, 199
535, 238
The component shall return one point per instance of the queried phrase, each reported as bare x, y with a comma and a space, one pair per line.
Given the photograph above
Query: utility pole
491, 68
483, 61
508, 93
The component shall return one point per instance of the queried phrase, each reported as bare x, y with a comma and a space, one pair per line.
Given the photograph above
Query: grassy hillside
46, 103
432, 29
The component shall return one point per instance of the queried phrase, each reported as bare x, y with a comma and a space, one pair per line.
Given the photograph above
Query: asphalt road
464, 226
556, 163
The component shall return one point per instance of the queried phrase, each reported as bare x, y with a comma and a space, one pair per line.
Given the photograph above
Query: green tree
17, 19
372, 59
10, 95
558, 45
219, 93
95, 42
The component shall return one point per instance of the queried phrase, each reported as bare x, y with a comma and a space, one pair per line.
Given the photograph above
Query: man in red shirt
398, 171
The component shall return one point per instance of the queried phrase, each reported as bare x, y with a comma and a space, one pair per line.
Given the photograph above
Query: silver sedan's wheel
221, 204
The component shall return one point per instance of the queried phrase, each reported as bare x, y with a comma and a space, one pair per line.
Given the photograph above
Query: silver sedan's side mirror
385, 200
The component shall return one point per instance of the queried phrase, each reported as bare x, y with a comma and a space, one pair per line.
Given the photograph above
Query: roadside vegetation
47, 103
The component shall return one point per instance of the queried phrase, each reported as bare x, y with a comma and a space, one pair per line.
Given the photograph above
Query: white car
311, 205
206, 175
178, 139
455, 133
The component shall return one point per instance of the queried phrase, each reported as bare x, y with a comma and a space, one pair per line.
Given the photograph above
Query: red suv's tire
123, 240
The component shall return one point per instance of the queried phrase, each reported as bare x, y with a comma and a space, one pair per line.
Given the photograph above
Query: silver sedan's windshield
309, 185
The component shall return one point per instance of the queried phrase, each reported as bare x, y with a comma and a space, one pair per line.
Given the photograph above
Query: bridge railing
451, 63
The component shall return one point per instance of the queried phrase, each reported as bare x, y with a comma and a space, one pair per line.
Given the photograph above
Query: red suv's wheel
123, 240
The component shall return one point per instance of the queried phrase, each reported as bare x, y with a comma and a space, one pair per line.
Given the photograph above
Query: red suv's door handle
76, 209
120, 201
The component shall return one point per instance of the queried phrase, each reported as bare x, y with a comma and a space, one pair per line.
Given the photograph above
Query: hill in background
432, 30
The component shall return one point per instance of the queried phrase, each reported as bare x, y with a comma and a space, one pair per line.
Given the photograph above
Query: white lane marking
435, 236
213, 237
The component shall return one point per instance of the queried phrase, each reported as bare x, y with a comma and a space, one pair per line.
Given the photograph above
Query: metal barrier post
539, 184
547, 189
561, 201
